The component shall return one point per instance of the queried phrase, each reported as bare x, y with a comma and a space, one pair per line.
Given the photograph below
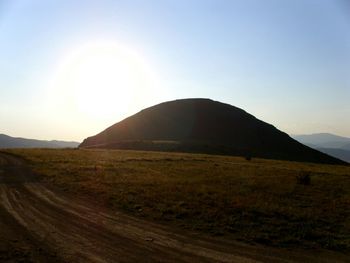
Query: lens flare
105, 79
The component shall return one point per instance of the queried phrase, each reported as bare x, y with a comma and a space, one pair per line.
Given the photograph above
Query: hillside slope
206, 126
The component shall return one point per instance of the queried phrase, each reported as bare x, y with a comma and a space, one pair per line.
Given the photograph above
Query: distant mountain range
12, 142
331, 144
203, 126
324, 140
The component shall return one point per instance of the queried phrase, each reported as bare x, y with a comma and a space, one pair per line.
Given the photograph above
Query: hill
346, 147
334, 145
324, 140
14, 142
205, 126
337, 153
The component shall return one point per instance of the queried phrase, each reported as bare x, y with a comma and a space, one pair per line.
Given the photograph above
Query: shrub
304, 178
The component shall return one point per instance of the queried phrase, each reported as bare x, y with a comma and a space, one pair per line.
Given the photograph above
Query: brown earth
41, 224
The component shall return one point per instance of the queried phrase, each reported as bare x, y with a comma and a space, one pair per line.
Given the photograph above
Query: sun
103, 79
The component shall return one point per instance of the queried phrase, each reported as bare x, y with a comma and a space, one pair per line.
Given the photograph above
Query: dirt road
39, 224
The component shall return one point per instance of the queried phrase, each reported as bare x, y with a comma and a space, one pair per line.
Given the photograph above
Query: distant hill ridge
334, 145
204, 126
15, 142
337, 153
324, 140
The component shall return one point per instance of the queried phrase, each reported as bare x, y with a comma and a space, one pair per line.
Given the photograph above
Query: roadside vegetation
276, 203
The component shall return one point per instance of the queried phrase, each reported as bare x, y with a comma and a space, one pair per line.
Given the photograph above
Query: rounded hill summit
203, 126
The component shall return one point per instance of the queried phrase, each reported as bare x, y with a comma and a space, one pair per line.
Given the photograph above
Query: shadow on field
14, 171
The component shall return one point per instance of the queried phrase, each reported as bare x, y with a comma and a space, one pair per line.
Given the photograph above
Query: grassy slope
254, 201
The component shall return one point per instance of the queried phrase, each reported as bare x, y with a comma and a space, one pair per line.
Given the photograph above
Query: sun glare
105, 79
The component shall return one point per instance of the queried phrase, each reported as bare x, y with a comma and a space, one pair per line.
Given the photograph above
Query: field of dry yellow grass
255, 201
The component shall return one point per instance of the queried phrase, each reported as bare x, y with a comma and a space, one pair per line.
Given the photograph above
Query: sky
69, 69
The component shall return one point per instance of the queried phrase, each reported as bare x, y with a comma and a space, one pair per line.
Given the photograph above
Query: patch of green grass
255, 201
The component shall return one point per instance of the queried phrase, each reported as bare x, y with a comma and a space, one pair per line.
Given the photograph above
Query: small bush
304, 178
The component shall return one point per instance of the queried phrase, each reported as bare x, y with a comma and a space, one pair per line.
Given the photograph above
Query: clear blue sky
286, 62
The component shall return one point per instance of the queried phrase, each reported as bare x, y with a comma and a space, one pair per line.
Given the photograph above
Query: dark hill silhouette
205, 126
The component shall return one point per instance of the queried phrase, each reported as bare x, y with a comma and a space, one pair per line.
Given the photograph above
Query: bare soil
39, 223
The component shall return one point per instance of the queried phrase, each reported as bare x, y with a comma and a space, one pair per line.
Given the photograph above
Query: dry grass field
256, 201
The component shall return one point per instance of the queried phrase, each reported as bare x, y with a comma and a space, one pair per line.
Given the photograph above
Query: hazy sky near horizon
69, 68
